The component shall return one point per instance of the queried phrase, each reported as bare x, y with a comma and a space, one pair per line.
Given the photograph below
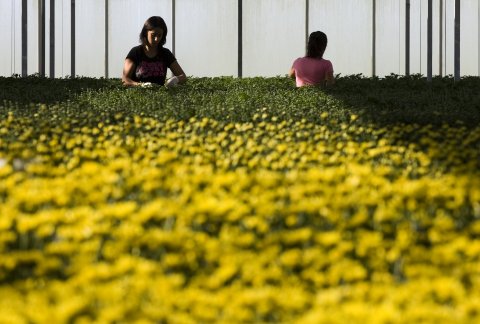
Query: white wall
32, 39
10, 53
206, 37
390, 37
273, 36
90, 38
62, 39
469, 37
348, 25
206, 33
418, 37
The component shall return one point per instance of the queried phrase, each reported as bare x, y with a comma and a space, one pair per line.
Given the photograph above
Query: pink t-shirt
311, 71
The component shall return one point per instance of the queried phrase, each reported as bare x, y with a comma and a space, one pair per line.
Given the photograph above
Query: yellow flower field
141, 220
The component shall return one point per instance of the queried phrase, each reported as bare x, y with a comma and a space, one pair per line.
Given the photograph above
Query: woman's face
154, 36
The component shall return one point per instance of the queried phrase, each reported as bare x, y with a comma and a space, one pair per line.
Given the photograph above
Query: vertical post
374, 36
52, 39
429, 41
106, 38
240, 38
307, 20
41, 37
440, 40
173, 26
407, 37
72, 38
24, 38
457, 41
12, 41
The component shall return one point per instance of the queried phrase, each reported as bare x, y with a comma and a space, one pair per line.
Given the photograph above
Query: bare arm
291, 73
128, 70
178, 72
329, 79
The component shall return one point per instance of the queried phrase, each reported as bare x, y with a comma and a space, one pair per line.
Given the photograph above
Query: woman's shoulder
167, 55
305, 60
308, 59
135, 51
320, 61
165, 51
299, 60
327, 62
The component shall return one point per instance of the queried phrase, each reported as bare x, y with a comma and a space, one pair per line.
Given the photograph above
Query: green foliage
392, 99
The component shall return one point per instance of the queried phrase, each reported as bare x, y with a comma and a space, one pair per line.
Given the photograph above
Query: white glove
146, 84
173, 81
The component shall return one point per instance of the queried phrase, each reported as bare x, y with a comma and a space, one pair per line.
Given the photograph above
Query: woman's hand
146, 84
329, 79
172, 82
178, 72
291, 73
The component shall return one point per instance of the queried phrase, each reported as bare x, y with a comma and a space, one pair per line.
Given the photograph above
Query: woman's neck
150, 51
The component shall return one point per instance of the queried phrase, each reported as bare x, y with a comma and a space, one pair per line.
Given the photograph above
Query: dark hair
317, 43
151, 23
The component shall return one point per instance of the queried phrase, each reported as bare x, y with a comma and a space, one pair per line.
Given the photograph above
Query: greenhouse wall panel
348, 25
437, 21
8, 55
390, 37
418, 37
6, 33
47, 38
435, 37
273, 36
32, 42
469, 37
90, 38
449, 15
206, 37
62, 38
16, 47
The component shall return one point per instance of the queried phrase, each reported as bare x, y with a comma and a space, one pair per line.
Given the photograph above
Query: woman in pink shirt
313, 69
